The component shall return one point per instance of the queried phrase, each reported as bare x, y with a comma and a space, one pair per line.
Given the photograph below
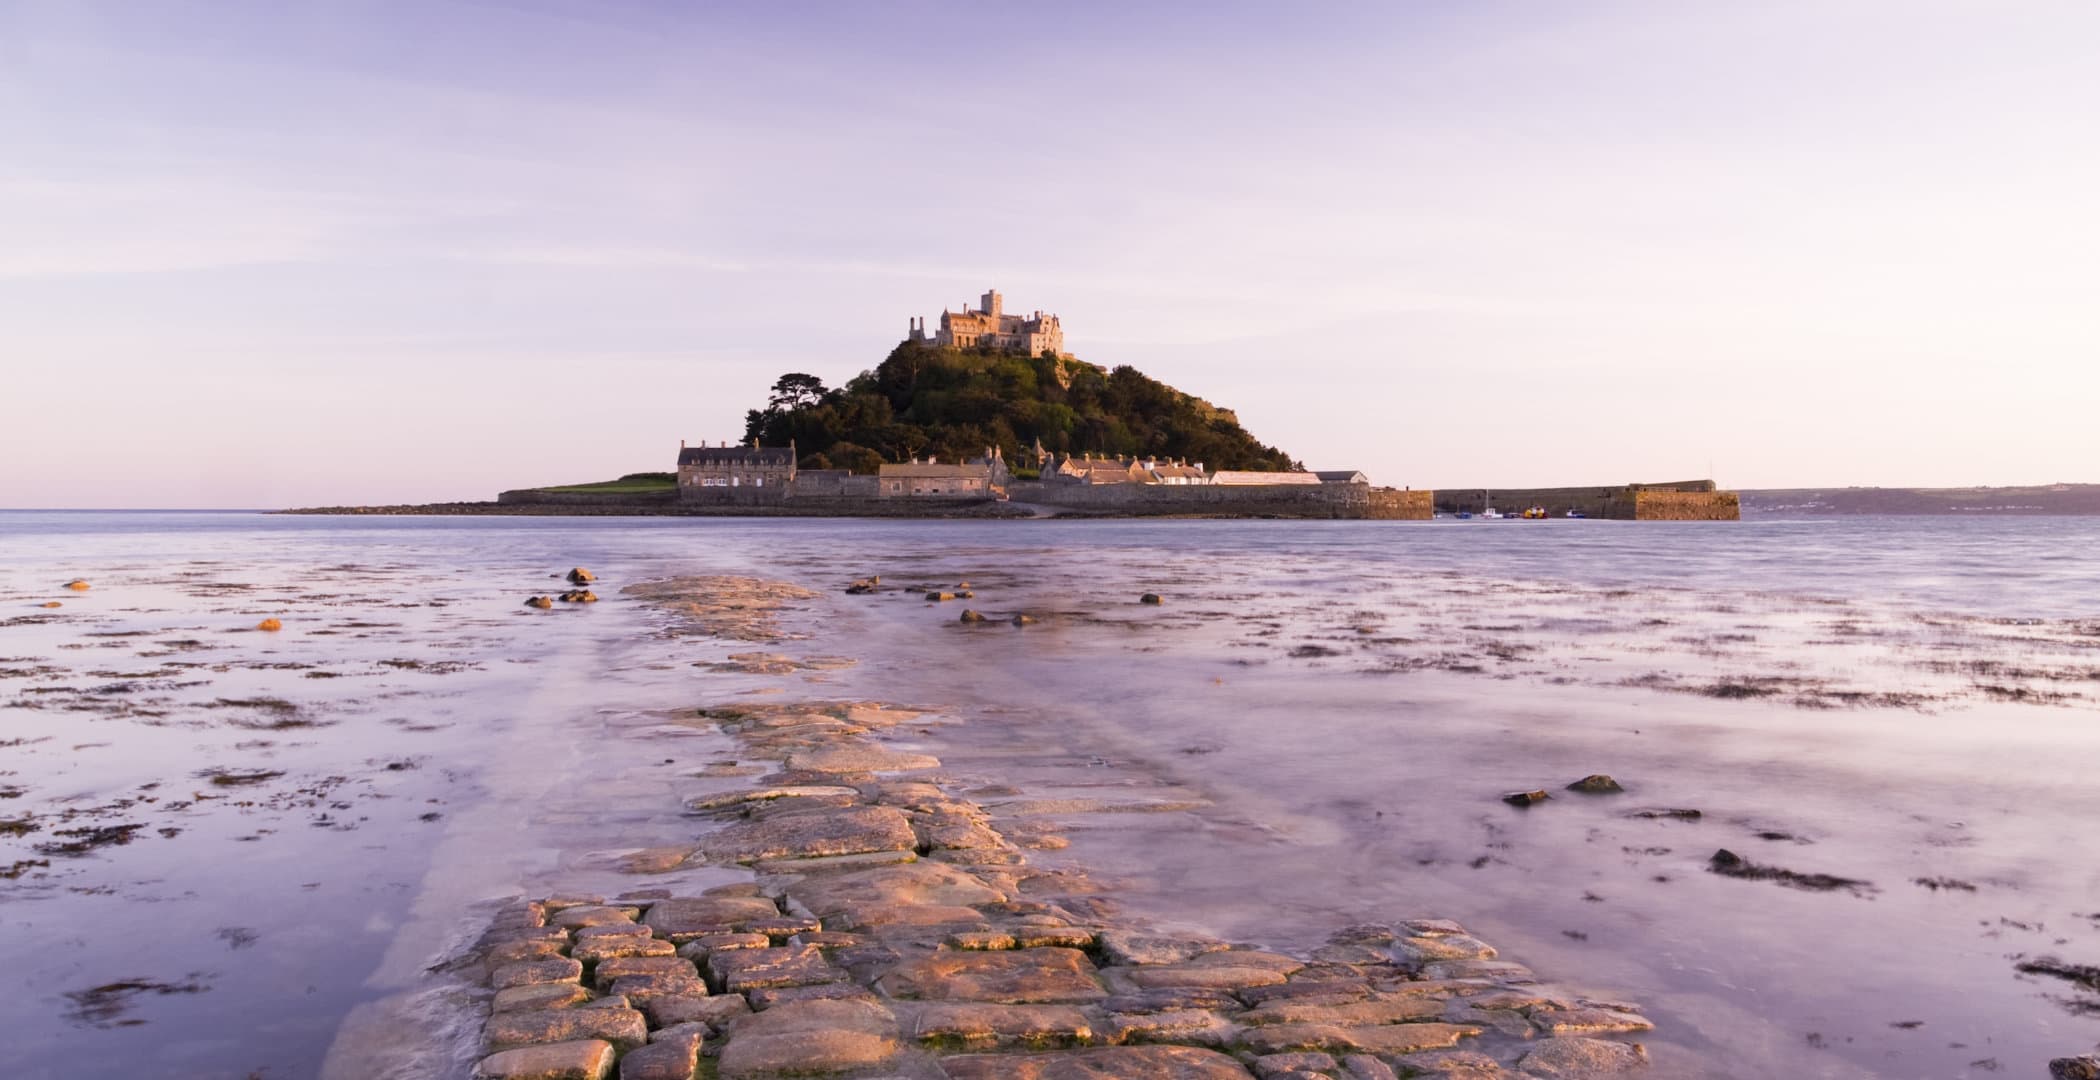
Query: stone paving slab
1109, 1063
587, 1059
847, 941
849, 830
1015, 977
982, 1026
810, 1038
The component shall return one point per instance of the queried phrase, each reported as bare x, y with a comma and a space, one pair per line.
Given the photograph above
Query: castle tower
990, 303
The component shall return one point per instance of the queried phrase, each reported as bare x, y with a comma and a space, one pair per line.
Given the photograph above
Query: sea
224, 850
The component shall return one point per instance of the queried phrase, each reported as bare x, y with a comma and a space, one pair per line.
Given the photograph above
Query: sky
263, 254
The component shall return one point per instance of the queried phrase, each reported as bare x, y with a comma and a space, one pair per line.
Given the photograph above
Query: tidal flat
238, 852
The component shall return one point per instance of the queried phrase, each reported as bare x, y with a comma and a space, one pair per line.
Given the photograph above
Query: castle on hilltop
989, 325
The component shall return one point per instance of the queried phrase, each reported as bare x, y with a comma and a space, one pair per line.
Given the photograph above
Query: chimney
681, 444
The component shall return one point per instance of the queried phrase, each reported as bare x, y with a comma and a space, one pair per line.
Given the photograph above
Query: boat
1465, 515
1536, 513
1577, 514
1487, 501
1493, 514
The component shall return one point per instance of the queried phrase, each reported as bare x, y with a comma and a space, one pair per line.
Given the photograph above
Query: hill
2038, 499
954, 403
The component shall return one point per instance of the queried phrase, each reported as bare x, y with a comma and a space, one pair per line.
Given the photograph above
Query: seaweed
1729, 864
105, 1006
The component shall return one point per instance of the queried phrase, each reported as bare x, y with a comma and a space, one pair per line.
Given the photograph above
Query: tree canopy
954, 403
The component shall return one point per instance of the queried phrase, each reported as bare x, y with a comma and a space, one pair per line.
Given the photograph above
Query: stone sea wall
1687, 506
1353, 501
532, 497
1691, 500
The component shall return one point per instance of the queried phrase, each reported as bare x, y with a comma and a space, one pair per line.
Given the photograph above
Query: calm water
318, 811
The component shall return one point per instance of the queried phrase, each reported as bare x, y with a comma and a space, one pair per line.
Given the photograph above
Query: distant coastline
2042, 499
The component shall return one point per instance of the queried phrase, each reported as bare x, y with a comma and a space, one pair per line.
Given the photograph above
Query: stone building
1236, 478
1341, 476
1088, 469
994, 461
932, 479
728, 473
989, 325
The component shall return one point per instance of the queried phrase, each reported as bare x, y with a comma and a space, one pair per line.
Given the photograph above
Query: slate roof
936, 472
737, 455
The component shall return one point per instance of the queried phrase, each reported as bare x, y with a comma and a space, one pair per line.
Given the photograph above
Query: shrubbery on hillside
953, 403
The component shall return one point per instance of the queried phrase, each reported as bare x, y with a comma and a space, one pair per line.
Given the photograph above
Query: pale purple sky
270, 253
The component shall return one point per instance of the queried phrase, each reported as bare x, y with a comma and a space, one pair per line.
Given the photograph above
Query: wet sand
1318, 746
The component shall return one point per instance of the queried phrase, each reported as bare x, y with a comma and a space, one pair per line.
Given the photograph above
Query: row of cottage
755, 474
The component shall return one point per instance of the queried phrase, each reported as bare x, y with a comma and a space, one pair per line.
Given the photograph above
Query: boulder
585, 1059
579, 596
864, 586
2075, 1068
1582, 1058
580, 576
1152, 598
269, 624
1427, 949
939, 596
541, 602
1024, 620
1596, 784
1526, 798
810, 1038
77, 585
971, 616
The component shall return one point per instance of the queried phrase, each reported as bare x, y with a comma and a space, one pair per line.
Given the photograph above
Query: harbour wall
1348, 501
1689, 500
